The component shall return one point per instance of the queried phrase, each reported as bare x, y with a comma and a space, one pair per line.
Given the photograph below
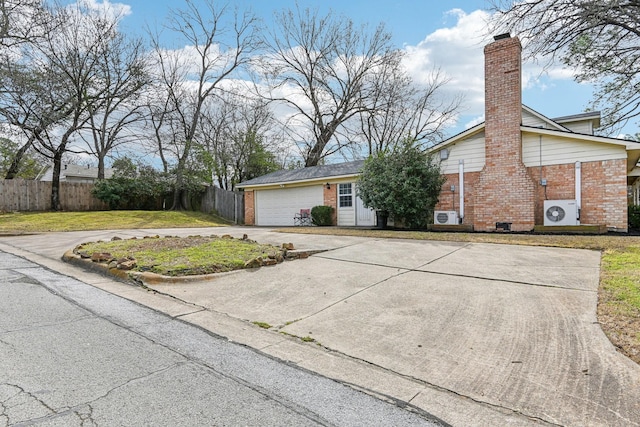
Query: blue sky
448, 34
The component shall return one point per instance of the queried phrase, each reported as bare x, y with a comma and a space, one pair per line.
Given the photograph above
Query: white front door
346, 207
351, 210
364, 216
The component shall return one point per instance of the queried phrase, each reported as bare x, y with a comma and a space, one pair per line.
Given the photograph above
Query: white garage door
277, 207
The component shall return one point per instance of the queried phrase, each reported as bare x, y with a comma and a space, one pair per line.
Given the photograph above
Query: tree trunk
55, 184
177, 191
316, 151
15, 164
100, 166
315, 154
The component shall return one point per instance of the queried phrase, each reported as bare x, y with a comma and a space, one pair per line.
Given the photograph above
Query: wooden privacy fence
22, 195
30, 195
227, 204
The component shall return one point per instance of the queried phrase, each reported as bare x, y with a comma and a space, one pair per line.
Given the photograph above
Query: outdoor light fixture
328, 186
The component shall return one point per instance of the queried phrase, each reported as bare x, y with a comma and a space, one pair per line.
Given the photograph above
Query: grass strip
38, 222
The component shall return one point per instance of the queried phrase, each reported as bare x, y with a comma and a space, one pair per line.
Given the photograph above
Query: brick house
510, 168
516, 170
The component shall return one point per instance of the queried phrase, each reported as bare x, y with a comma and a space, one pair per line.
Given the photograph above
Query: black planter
381, 219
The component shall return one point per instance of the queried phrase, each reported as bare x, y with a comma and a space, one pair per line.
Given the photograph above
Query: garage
278, 206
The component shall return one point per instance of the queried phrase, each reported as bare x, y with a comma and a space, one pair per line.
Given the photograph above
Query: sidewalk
476, 334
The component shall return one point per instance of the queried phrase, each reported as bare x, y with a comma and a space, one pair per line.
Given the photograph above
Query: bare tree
20, 24
232, 129
120, 77
217, 46
17, 19
324, 68
400, 110
51, 92
599, 38
158, 116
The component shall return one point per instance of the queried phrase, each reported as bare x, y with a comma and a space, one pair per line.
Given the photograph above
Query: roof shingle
305, 174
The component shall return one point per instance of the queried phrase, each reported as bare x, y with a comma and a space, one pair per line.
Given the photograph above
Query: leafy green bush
634, 217
133, 187
322, 215
109, 191
403, 183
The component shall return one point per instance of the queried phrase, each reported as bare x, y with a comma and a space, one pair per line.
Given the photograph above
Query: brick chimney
505, 191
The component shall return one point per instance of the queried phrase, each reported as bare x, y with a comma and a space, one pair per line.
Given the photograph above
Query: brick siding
451, 201
249, 208
504, 192
603, 191
331, 199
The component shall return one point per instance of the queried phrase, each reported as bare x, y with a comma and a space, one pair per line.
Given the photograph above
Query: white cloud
474, 121
115, 11
458, 50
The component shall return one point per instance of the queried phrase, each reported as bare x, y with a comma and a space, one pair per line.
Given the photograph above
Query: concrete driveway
476, 334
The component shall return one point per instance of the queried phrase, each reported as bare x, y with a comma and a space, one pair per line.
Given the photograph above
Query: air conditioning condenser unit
445, 217
560, 212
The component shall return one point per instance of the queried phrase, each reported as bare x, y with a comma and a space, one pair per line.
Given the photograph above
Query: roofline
632, 148
465, 133
579, 116
545, 118
299, 181
630, 145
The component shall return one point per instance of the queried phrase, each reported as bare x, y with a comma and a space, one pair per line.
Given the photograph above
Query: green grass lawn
37, 222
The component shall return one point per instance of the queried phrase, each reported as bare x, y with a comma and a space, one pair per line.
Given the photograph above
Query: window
345, 195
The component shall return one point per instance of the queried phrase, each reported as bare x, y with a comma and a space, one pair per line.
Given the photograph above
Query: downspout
578, 183
461, 188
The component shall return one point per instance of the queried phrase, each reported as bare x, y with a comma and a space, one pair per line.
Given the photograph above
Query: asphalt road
72, 354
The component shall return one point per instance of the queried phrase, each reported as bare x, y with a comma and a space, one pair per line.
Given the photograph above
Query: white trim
461, 187
545, 119
630, 145
299, 181
471, 131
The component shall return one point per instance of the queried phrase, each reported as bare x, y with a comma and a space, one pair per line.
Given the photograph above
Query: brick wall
249, 208
504, 192
447, 200
603, 190
331, 199
604, 193
560, 186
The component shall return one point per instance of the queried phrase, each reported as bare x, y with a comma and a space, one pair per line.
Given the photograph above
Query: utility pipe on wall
461, 187
578, 191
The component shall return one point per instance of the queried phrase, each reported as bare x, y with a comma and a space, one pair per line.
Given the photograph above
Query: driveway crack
401, 271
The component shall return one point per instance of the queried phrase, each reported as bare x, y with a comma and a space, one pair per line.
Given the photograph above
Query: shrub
144, 192
634, 217
322, 215
403, 183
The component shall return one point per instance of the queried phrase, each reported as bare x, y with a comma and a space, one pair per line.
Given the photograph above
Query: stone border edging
149, 278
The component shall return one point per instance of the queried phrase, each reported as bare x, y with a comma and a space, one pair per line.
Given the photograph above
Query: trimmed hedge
322, 215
